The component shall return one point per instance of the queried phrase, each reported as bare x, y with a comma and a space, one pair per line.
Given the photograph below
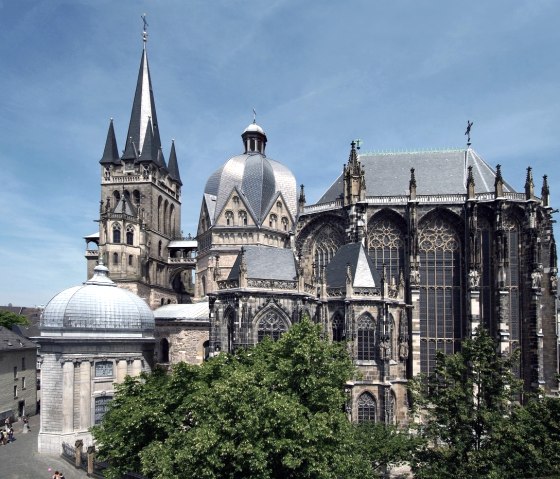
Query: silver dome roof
98, 304
258, 178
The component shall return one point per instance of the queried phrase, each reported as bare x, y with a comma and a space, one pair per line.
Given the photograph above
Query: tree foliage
273, 411
8, 319
473, 424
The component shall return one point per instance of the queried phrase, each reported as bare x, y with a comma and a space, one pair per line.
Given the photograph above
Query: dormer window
273, 221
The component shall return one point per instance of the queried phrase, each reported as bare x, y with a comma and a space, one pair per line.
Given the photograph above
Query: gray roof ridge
410, 151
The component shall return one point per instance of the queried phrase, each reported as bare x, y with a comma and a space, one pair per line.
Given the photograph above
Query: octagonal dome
97, 305
258, 178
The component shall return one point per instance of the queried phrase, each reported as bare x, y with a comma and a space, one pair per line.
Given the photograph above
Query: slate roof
111, 151
437, 172
125, 206
173, 167
143, 108
364, 274
257, 178
266, 262
10, 341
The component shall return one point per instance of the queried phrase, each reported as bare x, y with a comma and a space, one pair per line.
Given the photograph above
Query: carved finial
412, 185
144, 29
254, 116
470, 184
499, 182
468, 132
301, 195
545, 191
529, 185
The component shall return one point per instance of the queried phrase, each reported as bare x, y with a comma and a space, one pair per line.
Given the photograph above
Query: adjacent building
18, 376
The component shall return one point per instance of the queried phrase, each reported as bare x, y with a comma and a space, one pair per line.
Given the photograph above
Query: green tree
272, 411
464, 402
8, 319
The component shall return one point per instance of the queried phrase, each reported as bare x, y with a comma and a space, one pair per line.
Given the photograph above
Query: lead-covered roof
437, 172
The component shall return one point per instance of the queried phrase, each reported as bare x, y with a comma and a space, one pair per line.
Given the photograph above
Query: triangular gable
208, 204
230, 205
285, 211
125, 206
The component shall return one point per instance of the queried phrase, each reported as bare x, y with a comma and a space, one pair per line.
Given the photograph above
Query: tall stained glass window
366, 337
271, 326
386, 246
441, 321
326, 245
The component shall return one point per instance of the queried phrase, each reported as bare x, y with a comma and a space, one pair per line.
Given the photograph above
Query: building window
129, 260
285, 223
229, 218
115, 258
104, 369
338, 328
367, 408
164, 345
101, 406
15, 372
23, 364
236, 199
366, 337
15, 392
441, 323
386, 247
273, 221
130, 235
271, 326
22, 383
136, 196
116, 233
327, 243
243, 217
279, 205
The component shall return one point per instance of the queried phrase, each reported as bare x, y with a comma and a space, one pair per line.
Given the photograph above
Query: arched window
236, 200
172, 225
273, 220
243, 218
136, 197
367, 408
127, 194
386, 246
165, 223
272, 326
285, 223
117, 196
279, 205
229, 218
130, 235
326, 245
164, 349
116, 233
338, 327
366, 337
159, 205
115, 258
129, 260
441, 322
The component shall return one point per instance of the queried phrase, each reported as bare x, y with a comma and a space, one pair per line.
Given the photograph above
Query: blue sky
399, 74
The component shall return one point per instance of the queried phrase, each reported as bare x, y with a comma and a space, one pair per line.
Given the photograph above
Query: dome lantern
254, 139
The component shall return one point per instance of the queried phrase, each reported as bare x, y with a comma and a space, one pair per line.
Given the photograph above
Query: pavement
20, 459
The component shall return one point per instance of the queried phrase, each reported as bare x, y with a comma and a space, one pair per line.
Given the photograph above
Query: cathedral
404, 255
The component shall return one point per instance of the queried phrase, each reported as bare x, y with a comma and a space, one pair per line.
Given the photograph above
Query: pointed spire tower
140, 213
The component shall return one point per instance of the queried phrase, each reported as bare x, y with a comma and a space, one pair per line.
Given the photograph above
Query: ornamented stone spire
529, 185
412, 185
354, 179
499, 183
470, 184
545, 192
173, 166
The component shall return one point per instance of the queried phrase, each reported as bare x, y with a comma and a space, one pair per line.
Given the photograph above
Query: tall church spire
111, 151
143, 107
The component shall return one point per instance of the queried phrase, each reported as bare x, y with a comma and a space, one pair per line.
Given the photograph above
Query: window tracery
366, 337
367, 408
327, 243
338, 328
386, 246
229, 218
441, 321
271, 325
130, 235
